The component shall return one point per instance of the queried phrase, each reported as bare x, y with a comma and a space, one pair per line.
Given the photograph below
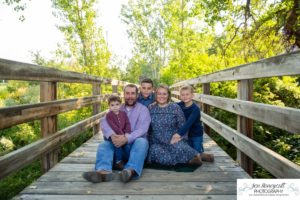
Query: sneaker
126, 175
97, 176
207, 157
196, 161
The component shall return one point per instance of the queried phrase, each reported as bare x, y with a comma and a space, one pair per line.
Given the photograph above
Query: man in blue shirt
146, 95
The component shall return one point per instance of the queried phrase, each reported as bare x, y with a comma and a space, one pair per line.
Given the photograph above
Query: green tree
87, 49
205, 36
146, 30
276, 22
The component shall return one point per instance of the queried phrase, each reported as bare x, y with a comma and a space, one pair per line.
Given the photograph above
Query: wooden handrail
18, 159
13, 70
270, 160
285, 118
15, 115
47, 111
281, 117
281, 65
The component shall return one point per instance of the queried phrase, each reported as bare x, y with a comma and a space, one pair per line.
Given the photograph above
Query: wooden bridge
210, 181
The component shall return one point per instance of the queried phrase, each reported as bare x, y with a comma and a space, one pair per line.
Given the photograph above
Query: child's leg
196, 143
118, 154
119, 164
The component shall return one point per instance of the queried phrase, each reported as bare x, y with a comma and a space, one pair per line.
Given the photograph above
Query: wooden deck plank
83, 159
206, 167
132, 188
149, 176
92, 152
213, 181
125, 197
93, 146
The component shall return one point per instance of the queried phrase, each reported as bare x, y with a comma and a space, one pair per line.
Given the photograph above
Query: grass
15, 183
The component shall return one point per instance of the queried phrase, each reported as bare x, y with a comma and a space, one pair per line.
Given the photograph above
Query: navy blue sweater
146, 102
193, 124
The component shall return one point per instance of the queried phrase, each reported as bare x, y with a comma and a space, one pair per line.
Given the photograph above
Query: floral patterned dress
165, 122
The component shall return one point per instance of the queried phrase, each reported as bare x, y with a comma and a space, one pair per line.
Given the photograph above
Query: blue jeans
118, 152
196, 143
135, 153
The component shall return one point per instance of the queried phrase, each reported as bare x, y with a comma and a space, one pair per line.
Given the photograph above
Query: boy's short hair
187, 87
113, 98
147, 80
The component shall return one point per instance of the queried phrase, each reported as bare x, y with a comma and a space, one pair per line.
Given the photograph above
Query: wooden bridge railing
47, 112
281, 117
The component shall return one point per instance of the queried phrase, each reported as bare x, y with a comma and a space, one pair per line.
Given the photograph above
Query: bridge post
177, 88
48, 92
114, 85
244, 124
96, 106
206, 107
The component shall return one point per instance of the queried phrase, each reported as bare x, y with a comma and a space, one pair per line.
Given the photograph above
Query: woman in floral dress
166, 118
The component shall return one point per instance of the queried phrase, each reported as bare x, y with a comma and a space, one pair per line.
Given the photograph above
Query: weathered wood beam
281, 65
13, 70
15, 115
244, 124
270, 160
48, 92
18, 159
135, 188
96, 106
206, 107
284, 118
30, 196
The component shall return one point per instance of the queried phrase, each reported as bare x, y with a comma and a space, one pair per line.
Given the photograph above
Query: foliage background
173, 40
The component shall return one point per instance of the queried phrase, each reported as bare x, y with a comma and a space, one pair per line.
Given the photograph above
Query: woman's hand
176, 138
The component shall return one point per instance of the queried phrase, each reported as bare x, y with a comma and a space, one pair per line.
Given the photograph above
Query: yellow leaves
6, 145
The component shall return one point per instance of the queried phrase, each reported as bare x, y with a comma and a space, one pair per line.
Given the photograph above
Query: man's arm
142, 125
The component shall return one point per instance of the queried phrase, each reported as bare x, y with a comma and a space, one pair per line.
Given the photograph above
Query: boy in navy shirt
193, 125
146, 95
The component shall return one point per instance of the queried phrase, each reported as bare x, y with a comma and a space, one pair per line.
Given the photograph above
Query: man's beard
126, 103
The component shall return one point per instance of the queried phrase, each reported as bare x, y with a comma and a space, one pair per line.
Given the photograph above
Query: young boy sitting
192, 125
119, 123
146, 95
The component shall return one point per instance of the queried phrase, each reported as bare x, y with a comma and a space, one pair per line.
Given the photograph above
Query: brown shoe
97, 176
127, 174
119, 165
196, 161
207, 157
